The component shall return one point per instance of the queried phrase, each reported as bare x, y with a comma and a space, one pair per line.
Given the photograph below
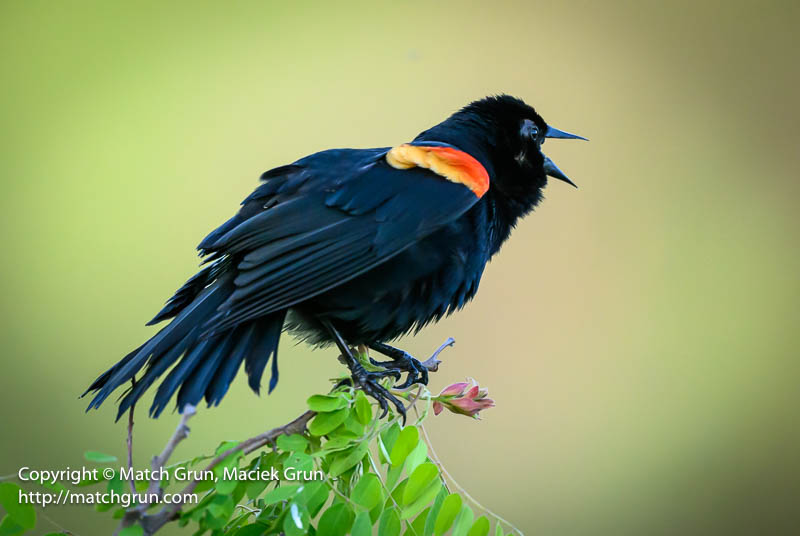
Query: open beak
549, 167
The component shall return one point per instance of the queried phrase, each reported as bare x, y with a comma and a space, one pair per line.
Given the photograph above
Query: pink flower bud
456, 389
463, 398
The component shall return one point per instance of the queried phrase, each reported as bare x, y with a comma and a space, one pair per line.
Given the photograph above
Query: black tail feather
265, 345
219, 384
205, 365
154, 370
184, 295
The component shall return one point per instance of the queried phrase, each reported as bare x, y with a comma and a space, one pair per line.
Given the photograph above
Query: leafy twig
153, 522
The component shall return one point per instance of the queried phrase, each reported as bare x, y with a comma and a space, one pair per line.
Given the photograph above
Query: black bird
351, 247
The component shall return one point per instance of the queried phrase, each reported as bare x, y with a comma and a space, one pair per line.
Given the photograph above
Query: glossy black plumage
343, 237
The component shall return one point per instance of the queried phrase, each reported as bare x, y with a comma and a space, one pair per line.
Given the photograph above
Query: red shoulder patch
448, 162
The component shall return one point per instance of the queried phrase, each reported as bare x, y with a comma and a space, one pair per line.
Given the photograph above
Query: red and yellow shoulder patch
452, 164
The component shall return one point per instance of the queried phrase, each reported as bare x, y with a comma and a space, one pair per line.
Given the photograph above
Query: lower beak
552, 170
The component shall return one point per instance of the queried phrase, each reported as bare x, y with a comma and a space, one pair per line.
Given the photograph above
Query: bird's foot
403, 361
417, 373
369, 382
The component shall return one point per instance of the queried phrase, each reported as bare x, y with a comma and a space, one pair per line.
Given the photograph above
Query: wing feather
322, 231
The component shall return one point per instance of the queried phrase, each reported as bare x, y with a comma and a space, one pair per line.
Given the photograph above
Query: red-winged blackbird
347, 246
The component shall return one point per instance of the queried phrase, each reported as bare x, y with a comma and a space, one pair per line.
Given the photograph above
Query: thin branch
180, 433
460, 489
158, 462
59, 527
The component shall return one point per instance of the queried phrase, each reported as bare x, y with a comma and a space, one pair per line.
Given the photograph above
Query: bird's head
506, 136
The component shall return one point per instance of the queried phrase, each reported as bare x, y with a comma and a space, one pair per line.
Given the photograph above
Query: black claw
383, 395
383, 404
369, 382
402, 361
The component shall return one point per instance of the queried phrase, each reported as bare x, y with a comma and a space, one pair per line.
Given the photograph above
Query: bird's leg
401, 360
368, 381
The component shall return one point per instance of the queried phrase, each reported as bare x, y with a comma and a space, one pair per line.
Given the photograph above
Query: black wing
322, 221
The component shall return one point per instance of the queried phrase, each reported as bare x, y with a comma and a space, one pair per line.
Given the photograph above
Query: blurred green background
639, 334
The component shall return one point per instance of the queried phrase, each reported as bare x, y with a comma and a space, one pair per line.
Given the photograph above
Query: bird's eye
529, 130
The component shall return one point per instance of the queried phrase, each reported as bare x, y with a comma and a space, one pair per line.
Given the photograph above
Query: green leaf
362, 525
134, 530
387, 440
9, 528
389, 524
308, 490
434, 512
58, 487
281, 494
424, 499
498, 529
326, 403
225, 446
334, 444
463, 521
115, 484
417, 528
99, 457
294, 442
336, 521
225, 486
447, 514
419, 480
203, 486
376, 512
212, 521
255, 487
353, 425
396, 495
325, 423
313, 496
367, 492
348, 459
23, 514
298, 461
406, 441
221, 507
256, 529
416, 457
362, 408
393, 475
296, 521
480, 527
231, 461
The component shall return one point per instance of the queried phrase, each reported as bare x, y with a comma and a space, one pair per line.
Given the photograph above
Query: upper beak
553, 132
549, 167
